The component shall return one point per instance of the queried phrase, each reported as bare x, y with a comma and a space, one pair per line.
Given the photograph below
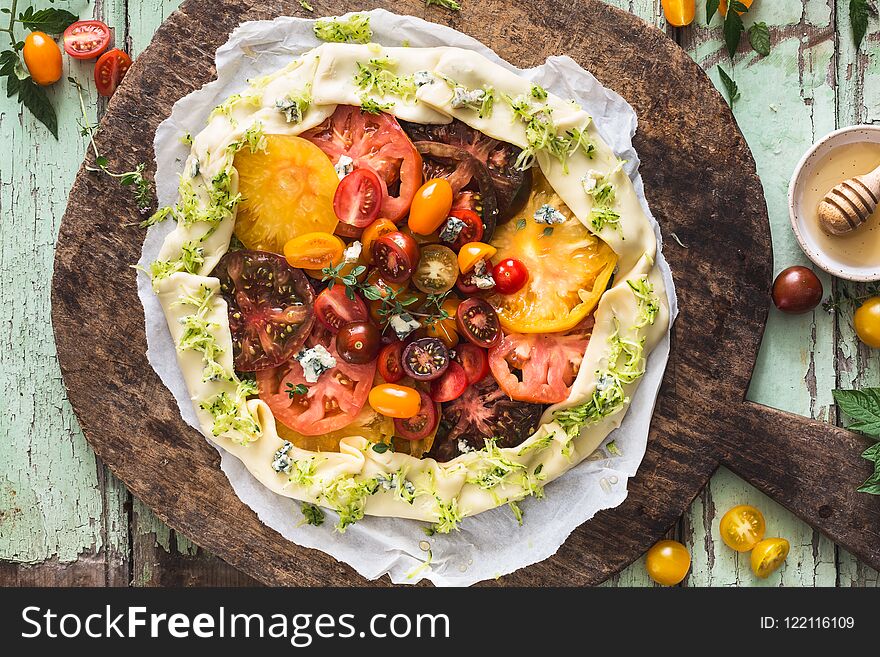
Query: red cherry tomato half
474, 361
333, 308
421, 424
391, 362
510, 276
451, 385
473, 229
478, 322
395, 255
358, 198
110, 69
86, 39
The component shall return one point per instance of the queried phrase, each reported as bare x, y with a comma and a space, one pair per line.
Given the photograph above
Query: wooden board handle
811, 468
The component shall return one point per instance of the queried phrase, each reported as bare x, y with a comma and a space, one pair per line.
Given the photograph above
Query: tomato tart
407, 282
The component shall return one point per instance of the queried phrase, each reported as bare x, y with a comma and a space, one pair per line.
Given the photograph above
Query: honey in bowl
860, 247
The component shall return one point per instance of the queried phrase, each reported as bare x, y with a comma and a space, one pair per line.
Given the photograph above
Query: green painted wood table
64, 518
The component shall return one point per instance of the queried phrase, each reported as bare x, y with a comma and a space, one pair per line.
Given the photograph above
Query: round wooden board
701, 184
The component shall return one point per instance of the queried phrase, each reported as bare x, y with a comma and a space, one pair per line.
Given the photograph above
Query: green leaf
872, 483
863, 406
381, 448
8, 61
50, 21
729, 86
872, 453
733, 29
759, 37
858, 18
34, 98
711, 8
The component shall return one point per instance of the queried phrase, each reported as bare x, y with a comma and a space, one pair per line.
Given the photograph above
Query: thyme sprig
134, 179
846, 299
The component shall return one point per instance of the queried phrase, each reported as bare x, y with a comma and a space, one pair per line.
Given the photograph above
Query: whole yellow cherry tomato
392, 400
373, 232
867, 322
668, 562
472, 252
43, 58
314, 251
768, 555
742, 528
445, 329
431, 206
679, 12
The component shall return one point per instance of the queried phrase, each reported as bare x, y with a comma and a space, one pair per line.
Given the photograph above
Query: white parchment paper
489, 544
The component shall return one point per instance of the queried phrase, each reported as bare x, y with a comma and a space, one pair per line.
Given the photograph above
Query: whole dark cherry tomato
510, 275
358, 342
797, 290
395, 255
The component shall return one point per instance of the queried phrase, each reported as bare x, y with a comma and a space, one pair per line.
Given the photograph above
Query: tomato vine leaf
759, 38
729, 86
50, 21
711, 8
863, 406
733, 26
858, 18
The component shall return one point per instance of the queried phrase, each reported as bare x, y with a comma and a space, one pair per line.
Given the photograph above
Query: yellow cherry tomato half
472, 252
768, 555
314, 251
373, 232
42, 57
742, 528
867, 322
679, 12
668, 562
431, 206
392, 400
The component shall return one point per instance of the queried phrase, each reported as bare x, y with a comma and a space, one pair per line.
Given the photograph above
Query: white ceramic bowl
800, 214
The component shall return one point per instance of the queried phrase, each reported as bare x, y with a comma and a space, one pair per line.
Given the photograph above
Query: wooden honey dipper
849, 204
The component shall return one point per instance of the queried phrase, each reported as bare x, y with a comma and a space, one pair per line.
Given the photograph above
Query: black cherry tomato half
358, 198
425, 359
395, 255
358, 342
421, 424
465, 284
473, 228
478, 322
474, 361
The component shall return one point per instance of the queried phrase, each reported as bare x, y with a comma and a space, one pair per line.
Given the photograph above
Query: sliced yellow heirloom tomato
569, 268
472, 252
668, 562
768, 555
371, 425
314, 251
286, 192
742, 528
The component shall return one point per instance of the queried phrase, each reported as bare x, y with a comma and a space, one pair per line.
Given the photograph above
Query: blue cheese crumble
315, 361
591, 179
403, 324
549, 215
462, 97
451, 230
353, 252
281, 460
344, 166
482, 277
421, 78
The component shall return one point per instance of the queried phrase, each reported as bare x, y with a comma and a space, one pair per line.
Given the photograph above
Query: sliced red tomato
547, 365
474, 360
375, 142
328, 405
270, 307
358, 198
110, 69
86, 39
334, 308
422, 424
391, 363
451, 385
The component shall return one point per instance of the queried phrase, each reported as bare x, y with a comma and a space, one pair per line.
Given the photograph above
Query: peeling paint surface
59, 505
